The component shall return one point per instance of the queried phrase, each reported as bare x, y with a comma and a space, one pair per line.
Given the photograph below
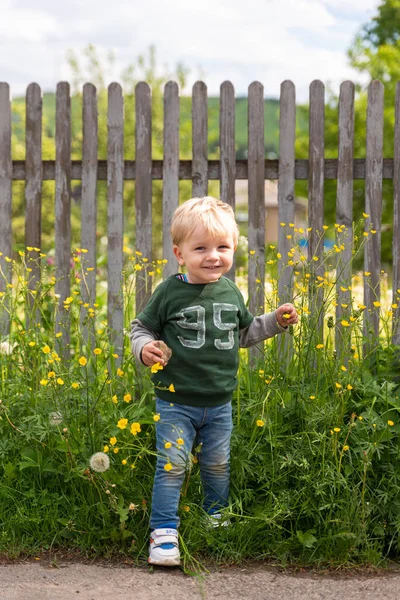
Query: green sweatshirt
200, 323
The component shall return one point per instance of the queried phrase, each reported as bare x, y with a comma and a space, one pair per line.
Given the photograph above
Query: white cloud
265, 40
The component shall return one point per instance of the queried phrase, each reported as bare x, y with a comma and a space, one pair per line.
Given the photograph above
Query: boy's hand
152, 353
286, 315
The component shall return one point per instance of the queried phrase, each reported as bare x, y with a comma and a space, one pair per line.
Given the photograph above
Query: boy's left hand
286, 314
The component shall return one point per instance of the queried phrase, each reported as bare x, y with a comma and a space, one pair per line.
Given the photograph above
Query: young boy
203, 319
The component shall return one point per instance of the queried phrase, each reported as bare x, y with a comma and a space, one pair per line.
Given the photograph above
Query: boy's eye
199, 248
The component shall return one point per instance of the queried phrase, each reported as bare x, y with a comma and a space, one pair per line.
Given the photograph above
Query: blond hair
215, 216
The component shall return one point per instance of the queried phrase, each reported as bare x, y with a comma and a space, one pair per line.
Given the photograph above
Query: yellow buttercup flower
122, 423
336, 429
135, 428
127, 398
171, 388
168, 467
156, 367
167, 445
82, 361
260, 423
46, 349
113, 441
390, 423
97, 351
156, 418
180, 441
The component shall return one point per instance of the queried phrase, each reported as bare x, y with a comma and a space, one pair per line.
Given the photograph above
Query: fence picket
89, 205
228, 150
344, 218
286, 197
199, 140
5, 198
256, 198
373, 207
316, 201
33, 191
115, 219
63, 212
143, 190
170, 171
396, 224
286, 202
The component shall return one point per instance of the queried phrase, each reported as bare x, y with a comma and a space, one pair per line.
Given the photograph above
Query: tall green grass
315, 450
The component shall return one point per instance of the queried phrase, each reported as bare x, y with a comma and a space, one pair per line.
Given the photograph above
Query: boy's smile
206, 258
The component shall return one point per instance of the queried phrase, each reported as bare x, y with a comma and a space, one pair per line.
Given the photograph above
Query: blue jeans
209, 426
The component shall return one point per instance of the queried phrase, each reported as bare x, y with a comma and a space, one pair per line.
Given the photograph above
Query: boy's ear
178, 255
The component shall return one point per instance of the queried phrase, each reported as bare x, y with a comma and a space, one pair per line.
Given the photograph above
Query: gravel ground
41, 580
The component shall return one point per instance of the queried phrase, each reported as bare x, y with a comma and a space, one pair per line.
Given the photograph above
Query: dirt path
41, 581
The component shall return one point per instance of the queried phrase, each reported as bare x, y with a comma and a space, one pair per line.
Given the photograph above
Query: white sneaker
215, 520
164, 548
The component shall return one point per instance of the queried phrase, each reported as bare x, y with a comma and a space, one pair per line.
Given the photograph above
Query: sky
268, 41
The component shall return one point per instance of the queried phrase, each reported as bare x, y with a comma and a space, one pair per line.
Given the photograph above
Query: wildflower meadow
315, 472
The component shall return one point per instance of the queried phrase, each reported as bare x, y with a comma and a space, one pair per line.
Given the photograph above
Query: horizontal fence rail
116, 169
215, 169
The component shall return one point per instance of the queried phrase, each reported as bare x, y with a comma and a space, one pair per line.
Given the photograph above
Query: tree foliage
375, 53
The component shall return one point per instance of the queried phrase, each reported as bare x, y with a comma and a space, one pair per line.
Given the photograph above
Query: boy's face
206, 258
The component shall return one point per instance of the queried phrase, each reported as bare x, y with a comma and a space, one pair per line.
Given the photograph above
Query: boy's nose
213, 254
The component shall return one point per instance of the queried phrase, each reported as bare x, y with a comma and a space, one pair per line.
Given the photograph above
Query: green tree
376, 53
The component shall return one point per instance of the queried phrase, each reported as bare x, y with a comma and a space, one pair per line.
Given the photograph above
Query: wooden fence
256, 169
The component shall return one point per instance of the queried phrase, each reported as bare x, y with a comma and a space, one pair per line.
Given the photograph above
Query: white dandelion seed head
55, 418
99, 462
7, 348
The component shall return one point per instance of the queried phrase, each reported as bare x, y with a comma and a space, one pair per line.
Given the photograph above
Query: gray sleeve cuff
263, 327
139, 336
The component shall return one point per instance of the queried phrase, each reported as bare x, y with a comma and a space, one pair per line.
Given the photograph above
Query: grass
315, 450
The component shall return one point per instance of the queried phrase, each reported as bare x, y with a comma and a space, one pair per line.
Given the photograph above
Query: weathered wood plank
115, 216
89, 206
33, 192
256, 232
170, 171
271, 169
344, 218
228, 150
286, 204
373, 207
286, 197
143, 190
199, 140
5, 199
316, 201
63, 212
396, 223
